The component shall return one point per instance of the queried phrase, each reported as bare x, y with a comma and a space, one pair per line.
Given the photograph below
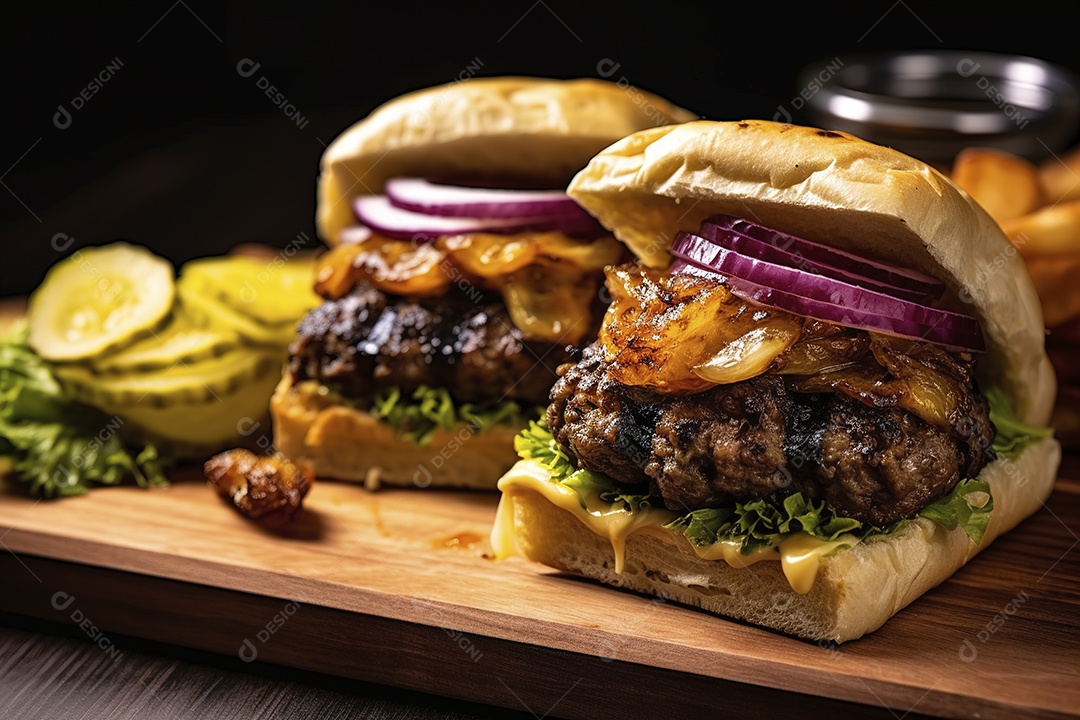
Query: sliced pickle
272, 292
200, 381
207, 312
178, 342
194, 430
98, 300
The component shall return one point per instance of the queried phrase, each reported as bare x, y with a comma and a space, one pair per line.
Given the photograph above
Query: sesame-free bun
545, 130
836, 189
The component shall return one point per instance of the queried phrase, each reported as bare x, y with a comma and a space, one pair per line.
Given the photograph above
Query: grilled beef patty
751, 439
369, 340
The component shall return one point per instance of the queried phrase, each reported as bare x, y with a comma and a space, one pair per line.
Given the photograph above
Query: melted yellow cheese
731, 553
615, 523
800, 557
799, 554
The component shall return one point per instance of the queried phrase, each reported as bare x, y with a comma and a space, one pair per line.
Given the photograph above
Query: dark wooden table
52, 672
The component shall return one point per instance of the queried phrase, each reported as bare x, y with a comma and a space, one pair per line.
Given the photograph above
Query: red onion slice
942, 335
705, 253
377, 213
422, 196
825, 298
752, 247
882, 272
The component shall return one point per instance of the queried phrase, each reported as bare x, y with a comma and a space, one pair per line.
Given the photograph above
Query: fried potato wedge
1007, 186
1053, 230
1060, 177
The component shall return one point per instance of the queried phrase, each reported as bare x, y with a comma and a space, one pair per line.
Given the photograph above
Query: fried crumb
269, 489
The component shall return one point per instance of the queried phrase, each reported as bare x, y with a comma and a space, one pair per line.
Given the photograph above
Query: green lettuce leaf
957, 508
416, 417
588, 483
57, 446
1012, 436
703, 527
537, 443
762, 523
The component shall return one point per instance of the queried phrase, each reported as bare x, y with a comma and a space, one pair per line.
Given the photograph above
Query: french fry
1060, 177
1055, 279
1007, 186
1053, 230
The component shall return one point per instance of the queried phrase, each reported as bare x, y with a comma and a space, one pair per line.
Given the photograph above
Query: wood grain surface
406, 575
50, 672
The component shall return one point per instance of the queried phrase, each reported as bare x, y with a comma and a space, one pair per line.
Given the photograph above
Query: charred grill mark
802, 432
686, 431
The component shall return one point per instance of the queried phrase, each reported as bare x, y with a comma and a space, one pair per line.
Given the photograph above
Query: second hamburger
459, 275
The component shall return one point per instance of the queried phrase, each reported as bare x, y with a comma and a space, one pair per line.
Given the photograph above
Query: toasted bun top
839, 190
544, 130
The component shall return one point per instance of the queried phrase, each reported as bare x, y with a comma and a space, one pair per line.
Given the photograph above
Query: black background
179, 152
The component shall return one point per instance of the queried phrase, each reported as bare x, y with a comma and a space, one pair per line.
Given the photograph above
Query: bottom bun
344, 443
856, 590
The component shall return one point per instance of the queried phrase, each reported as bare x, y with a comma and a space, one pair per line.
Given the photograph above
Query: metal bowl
933, 104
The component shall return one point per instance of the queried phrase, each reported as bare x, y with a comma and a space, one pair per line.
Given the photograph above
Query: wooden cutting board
399, 587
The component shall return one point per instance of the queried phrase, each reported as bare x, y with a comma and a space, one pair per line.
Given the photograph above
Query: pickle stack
185, 363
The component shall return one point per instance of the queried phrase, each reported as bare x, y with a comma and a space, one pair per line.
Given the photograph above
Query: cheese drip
799, 553
615, 522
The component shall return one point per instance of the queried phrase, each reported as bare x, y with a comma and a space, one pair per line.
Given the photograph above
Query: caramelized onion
334, 271
918, 377
402, 268
488, 255
589, 256
390, 265
823, 347
548, 280
550, 303
866, 382
685, 333
660, 327
749, 355
935, 381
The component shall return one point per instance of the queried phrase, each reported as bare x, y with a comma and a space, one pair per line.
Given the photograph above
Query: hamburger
458, 274
820, 391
